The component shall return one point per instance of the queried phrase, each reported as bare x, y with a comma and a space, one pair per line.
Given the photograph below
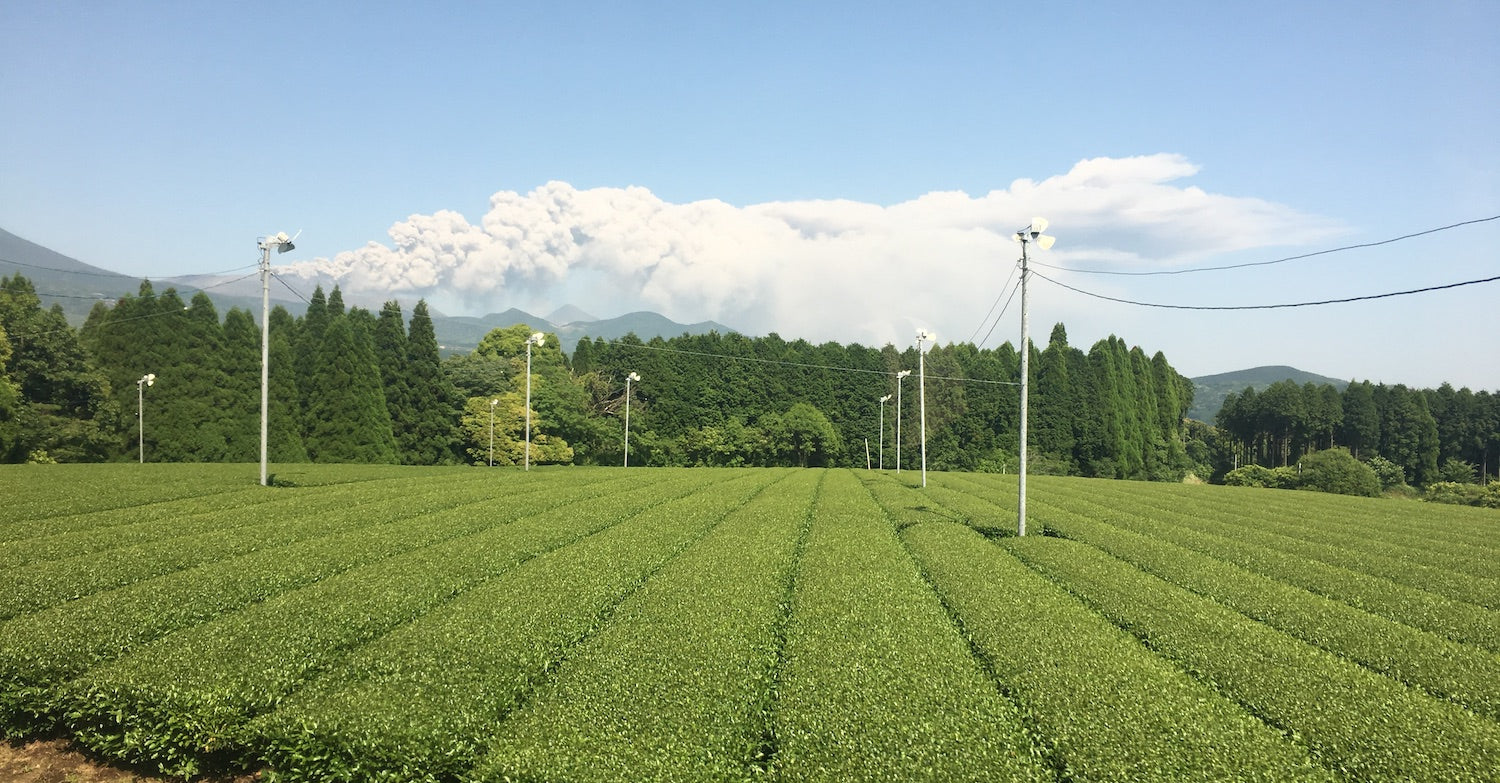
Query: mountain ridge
1209, 391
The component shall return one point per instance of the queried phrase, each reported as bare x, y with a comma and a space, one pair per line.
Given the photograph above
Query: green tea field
598, 624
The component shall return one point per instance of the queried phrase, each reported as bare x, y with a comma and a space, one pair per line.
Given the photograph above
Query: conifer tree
242, 384
284, 403
347, 417
430, 435
307, 342
389, 339
192, 399
1055, 405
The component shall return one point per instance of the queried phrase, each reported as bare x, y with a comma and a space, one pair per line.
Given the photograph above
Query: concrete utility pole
282, 243
1026, 235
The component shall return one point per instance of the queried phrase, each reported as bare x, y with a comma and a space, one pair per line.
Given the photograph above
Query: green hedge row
1404, 603
182, 701
677, 685
1112, 709
1380, 527
1466, 675
421, 703
32, 496
36, 586
1466, 573
41, 650
1366, 725
877, 684
112, 529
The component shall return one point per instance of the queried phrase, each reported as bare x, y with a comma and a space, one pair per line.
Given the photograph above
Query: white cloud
832, 269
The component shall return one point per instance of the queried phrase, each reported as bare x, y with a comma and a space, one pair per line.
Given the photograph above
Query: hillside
1209, 391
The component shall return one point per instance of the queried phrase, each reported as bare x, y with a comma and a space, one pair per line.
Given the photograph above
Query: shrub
1337, 471
1389, 473
1258, 476
1454, 493
1456, 471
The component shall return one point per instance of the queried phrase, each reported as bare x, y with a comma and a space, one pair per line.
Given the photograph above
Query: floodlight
1038, 225
1046, 241
886, 398
150, 379
902, 374
538, 339
633, 377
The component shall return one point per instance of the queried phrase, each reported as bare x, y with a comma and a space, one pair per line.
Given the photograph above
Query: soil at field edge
58, 761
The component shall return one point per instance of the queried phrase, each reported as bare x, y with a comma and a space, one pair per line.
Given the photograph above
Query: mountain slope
1209, 391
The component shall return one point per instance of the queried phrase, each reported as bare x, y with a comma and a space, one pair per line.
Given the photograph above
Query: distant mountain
76, 286
643, 324
1209, 391
60, 279
461, 334
568, 314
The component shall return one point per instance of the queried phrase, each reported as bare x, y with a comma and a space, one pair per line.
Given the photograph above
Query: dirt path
57, 761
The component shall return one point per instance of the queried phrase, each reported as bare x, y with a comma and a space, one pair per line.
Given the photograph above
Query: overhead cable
1269, 306
1264, 263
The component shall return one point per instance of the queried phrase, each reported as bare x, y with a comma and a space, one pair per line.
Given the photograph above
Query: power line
1013, 291
1270, 306
114, 320
288, 286
111, 274
1265, 263
104, 297
987, 315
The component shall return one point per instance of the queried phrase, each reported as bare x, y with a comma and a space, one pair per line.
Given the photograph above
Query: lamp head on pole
149, 379
633, 377
902, 374
1033, 233
281, 242
493, 403
537, 338
926, 336
885, 399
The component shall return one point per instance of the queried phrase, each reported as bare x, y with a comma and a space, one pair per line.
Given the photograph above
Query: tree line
1431, 435
351, 385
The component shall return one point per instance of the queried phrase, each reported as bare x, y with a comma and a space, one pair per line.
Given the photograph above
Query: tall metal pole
528, 404
922, 395
1025, 378
883, 401
899, 376
265, 355
493, 403
140, 417
628, 379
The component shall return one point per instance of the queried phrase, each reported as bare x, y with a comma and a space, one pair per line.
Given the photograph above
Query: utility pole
1026, 235
282, 243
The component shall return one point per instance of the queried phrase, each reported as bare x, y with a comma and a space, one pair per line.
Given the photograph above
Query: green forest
351, 385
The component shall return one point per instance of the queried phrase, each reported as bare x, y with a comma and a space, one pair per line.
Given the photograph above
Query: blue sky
833, 171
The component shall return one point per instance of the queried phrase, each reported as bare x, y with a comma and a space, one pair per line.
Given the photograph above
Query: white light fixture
149, 379
923, 336
282, 243
883, 401
537, 339
628, 379
493, 403
1027, 235
899, 376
